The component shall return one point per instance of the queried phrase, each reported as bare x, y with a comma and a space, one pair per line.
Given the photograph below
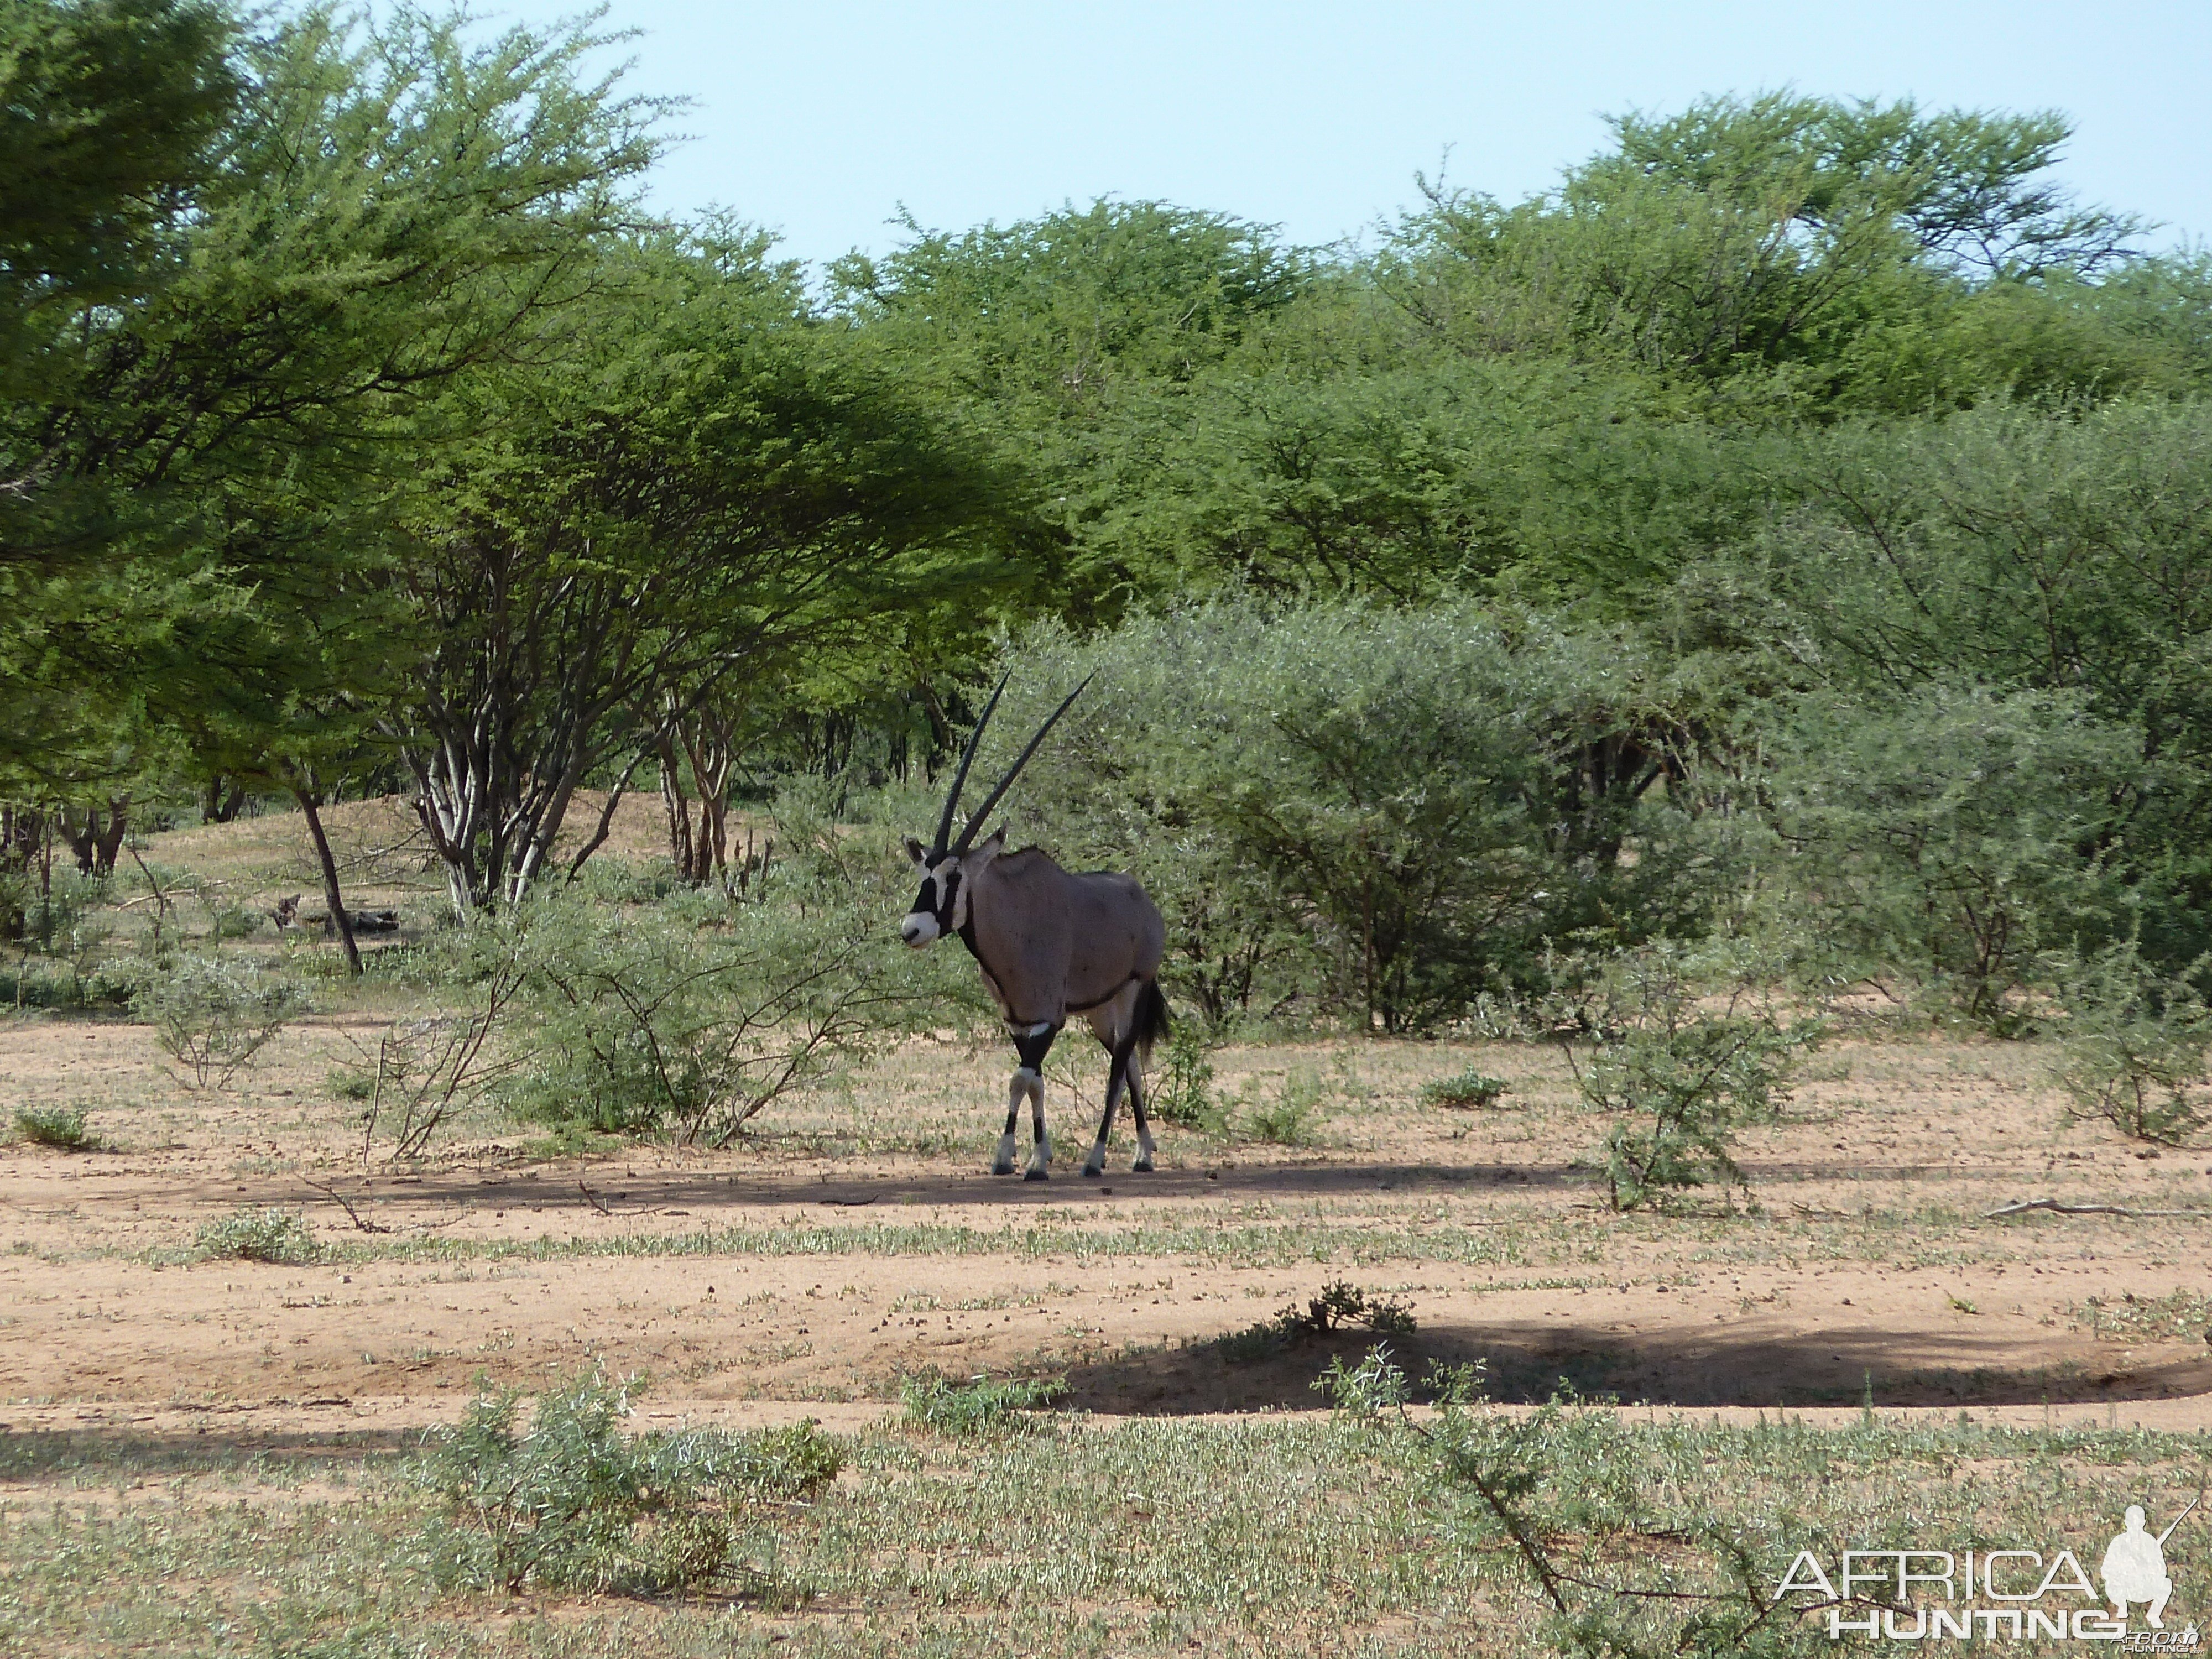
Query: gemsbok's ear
981, 854
915, 850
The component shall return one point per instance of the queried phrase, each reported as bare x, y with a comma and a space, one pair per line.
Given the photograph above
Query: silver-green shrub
689, 1016
1679, 1075
213, 1015
264, 1235
2132, 1048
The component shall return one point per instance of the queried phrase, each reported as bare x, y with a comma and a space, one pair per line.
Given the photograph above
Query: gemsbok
1050, 944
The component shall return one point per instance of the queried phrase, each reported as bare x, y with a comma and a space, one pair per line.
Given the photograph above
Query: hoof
1142, 1166
1002, 1168
1036, 1174
1092, 1171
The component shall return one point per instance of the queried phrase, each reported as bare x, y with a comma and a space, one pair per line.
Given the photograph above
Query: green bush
56, 916
214, 1016
62, 1128
1288, 1120
233, 920
574, 1503
1465, 1091
267, 1234
1679, 1077
2012, 545
2132, 1048
1180, 1090
1949, 837
978, 1406
1345, 807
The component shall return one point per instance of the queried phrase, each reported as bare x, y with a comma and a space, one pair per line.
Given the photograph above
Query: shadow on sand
1527, 1363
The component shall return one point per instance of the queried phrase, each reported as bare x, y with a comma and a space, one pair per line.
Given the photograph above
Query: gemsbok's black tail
1152, 1017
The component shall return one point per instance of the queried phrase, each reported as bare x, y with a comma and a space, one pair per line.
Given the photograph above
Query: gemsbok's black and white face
940, 907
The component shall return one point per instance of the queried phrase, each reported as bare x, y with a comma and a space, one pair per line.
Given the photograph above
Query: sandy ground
800, 1274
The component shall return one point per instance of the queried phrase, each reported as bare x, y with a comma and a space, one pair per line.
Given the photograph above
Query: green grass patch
576, 1504
978, 1406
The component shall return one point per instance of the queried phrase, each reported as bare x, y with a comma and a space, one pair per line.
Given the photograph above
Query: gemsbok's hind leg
1145, 1147
1115, 1025
1032, 1043
1116, 1079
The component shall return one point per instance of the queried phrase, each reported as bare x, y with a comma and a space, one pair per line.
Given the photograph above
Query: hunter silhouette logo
2134, 1568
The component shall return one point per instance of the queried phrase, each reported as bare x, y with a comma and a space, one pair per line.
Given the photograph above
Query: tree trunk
676, 803
305, 794
95, 839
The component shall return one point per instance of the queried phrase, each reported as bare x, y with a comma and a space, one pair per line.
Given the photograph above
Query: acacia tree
240, 259
709, 485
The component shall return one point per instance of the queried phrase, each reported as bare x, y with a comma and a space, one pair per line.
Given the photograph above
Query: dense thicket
1795, 516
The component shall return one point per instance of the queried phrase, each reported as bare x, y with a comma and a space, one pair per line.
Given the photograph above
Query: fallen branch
2056, 1207
353, 1215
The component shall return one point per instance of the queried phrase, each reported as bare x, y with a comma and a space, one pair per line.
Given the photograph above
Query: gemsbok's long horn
1015, 770
967, 756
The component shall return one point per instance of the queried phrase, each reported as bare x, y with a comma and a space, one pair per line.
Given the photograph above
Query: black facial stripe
928, 899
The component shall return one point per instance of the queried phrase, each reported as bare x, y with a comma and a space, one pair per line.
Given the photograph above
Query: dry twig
353, 1215
2058, 1208
592, 1198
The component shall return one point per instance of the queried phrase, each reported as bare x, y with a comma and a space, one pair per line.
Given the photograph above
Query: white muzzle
919, 928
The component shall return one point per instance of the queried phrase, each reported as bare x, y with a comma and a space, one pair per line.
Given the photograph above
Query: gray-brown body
1052, 943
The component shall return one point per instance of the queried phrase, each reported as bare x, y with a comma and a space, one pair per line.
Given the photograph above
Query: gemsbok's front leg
1018, 1090
1032, 1043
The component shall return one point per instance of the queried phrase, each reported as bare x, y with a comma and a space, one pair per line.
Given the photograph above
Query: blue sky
819, 120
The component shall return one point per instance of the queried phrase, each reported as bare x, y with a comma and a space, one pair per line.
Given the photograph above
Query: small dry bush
1288, 1120
2183, 1315
1340, 1306
1620, 1564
